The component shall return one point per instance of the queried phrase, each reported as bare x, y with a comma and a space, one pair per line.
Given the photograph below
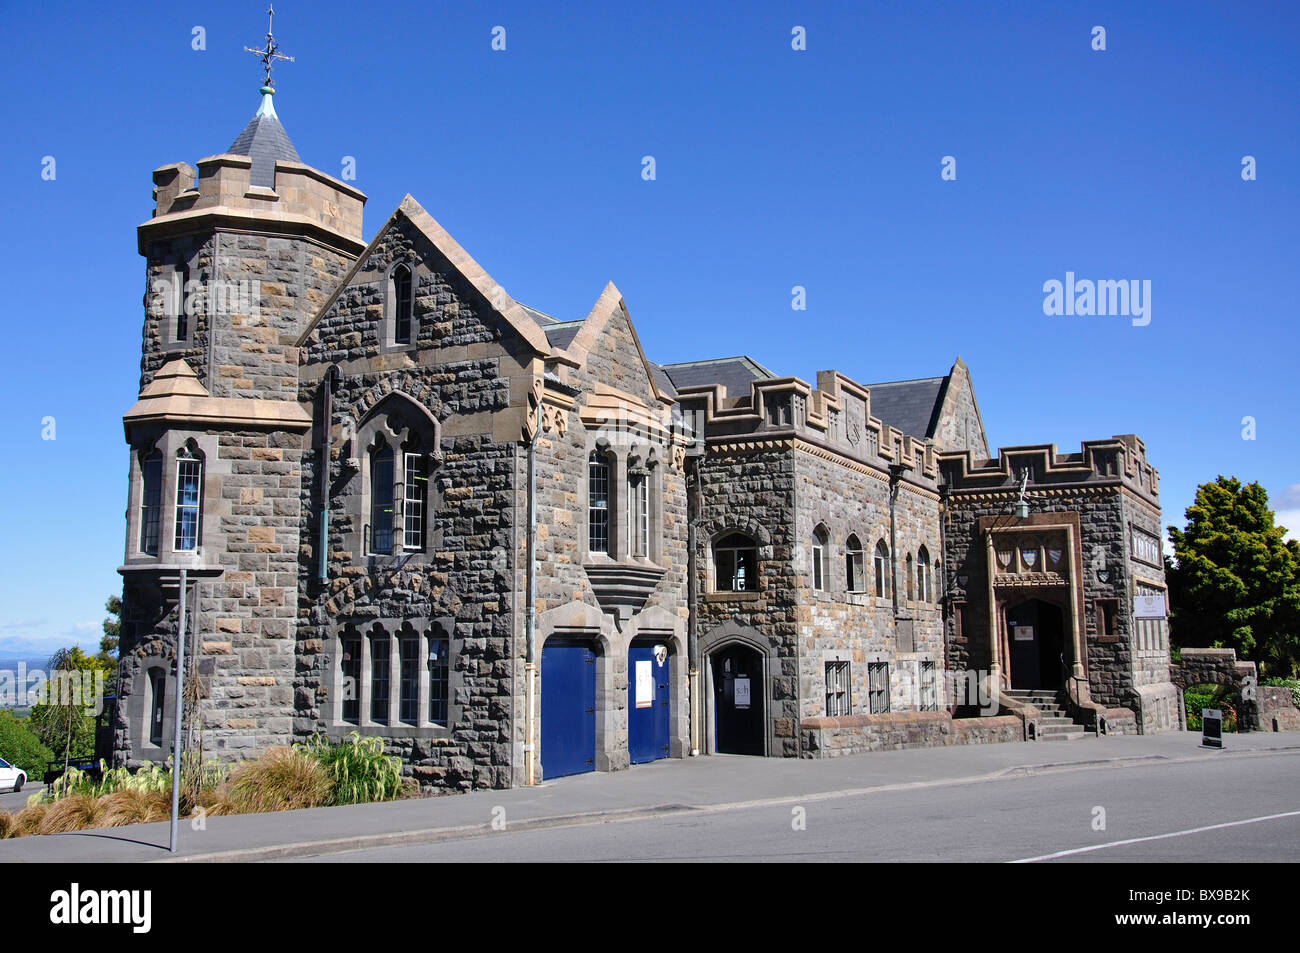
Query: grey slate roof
662, 381
911, 406
541, 317
733, 373
264, 141
562, 333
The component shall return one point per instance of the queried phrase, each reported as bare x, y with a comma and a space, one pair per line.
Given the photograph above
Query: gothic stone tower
240, 254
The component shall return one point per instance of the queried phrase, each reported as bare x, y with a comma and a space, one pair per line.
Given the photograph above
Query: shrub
75, 812
21, 748
360, 771
281, 780
28, 820
6, 824
134, 806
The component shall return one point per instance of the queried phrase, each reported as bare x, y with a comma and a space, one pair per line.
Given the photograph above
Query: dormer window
189, 474
400, 299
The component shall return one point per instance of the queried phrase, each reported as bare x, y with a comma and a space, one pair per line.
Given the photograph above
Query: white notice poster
1148, 607
742, 691
645, 684
1024, 633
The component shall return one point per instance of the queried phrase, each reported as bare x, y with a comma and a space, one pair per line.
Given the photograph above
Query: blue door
647, 703
568, 709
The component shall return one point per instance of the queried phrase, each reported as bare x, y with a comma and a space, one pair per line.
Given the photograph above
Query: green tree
20, 747
64, 720
1234, 581
112, 630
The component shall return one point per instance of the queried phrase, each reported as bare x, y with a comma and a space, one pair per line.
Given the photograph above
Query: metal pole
180, 711
530, 666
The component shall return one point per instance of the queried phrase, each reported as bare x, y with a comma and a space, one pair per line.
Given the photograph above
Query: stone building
514, 548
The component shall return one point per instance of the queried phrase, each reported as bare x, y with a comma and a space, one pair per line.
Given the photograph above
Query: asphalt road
13, 803
1152, 812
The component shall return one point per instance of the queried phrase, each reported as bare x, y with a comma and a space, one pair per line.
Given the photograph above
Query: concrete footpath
701, 785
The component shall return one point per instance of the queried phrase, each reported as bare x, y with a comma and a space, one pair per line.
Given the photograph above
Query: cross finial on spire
272, 51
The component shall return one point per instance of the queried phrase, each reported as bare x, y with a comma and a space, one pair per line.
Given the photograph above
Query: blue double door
648, 702
568, 709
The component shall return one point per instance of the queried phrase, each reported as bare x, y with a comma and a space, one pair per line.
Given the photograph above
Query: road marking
1139, 840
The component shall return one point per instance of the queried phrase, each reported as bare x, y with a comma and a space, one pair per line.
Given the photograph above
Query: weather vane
272, 51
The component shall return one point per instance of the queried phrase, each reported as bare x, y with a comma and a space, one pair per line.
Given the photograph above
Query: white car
11, 778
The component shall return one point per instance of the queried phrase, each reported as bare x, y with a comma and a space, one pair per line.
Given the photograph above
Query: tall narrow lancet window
182, 318
597, 503
907, 578
882, 570
402, 305
924, 586
438, 678
189, 478
150, 503
638, 515
820, 547
381, 501
855, 579
417, 479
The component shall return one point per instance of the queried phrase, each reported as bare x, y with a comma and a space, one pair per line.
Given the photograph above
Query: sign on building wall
645, 684
1024, 633
1148, 607
742, 691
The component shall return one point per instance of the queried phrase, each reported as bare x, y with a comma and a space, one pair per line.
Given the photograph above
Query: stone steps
1054, 722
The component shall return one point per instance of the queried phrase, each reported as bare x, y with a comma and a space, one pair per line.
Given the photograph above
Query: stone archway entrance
739, 719
1036, 653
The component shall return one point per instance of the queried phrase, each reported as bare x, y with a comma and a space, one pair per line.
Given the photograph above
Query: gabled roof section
265, 142
519, 318
733, 373
593, 325
911, 406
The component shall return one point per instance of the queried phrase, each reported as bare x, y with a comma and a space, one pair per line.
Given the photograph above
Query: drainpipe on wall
693, 490
530, 663
895, 473
322, 572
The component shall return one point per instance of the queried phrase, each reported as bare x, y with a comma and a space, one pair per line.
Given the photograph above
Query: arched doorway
738, 716
1036, 645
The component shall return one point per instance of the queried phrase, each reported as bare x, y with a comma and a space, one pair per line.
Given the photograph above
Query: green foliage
360, 770
112, 631
64, 720
1198, 697
21, 748
1234, 581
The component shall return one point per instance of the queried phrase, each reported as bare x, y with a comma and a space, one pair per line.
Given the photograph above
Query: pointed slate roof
265, 142
733, 373
911, 406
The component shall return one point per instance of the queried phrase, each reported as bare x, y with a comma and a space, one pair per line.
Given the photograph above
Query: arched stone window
398, 444
735, 564
820, 549
598, 502
399, 302
854, 566
189, 499
923, 587
151, 470
882, 569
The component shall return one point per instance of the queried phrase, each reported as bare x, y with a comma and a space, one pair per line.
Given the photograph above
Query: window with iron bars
838, 697
929, 687
878, 687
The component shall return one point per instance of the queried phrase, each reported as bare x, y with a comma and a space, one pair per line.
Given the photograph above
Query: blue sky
774, 168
